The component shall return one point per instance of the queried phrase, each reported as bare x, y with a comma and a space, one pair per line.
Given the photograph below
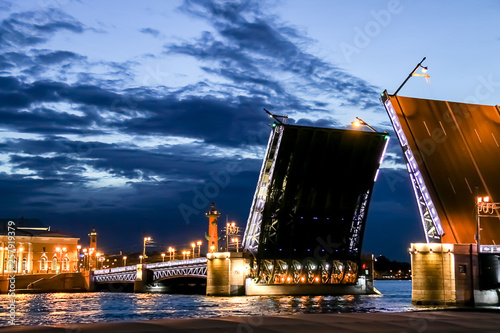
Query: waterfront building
37, 249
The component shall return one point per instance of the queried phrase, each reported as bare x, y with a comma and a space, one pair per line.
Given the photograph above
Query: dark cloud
250, 44
35, 27
150, 31
56, 57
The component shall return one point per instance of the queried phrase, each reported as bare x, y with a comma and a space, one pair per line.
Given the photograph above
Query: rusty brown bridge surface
450, 148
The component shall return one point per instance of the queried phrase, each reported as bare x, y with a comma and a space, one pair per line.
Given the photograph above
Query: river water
69, 308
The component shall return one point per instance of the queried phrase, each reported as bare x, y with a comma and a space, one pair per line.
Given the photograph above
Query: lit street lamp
236, 240
486, 208
199, 248
124, 261
184, 255
171, 251
146, 241
140, 258
358, 122
231, 229
424, 70
163, 257
193, 245
212, 249
78, 248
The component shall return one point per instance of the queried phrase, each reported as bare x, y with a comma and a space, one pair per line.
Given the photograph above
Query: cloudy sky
131, 115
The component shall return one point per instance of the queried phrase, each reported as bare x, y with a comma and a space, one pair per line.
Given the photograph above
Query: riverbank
416, 321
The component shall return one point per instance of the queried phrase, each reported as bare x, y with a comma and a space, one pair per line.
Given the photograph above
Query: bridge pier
453, 274
226, 273
143, 279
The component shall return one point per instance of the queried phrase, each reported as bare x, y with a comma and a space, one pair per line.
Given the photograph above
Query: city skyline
120, 117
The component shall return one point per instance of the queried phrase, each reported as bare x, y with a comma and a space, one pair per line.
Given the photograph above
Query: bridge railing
115, 270
176, 263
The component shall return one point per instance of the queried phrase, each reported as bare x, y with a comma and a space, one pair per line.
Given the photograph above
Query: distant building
37, 249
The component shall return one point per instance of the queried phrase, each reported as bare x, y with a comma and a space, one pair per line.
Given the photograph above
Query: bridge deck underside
457, 147
313, 193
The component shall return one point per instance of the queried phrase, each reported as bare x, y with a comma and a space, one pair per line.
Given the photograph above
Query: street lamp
163, 257
184, 255
171, 251
85, 254
193, 246
424, 70
212, 249
124, 261
146, 240
231, 229
358, 122
78, 248
140, 258
486, 207
236, 240
199, 248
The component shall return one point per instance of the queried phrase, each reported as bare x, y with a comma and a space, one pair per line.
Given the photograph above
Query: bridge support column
144, 277
448, 273
226, 273
89, 280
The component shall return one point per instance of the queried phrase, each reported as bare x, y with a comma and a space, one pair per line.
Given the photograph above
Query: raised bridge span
453, 154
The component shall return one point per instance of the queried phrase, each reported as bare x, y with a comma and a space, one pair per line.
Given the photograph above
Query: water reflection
65, 308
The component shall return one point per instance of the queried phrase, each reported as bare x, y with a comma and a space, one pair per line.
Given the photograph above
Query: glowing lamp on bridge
124, 261
199, 248
358, 122
163, 257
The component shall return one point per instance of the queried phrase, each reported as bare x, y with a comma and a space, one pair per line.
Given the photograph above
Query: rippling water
62, 308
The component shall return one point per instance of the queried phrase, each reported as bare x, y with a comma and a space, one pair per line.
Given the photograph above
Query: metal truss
357, 223
310, 271
199, 270
253, 230
161, 270
129, 276
430, 220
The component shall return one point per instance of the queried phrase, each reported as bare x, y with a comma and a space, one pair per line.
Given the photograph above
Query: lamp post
199, 248
124, 261
212, 249
184, 255
236, 240
140, 259
424, 70
146, 241
358, 122
171, 252
59, 253
84, 259
231, 229
78, 248
485, 207
163, 257
193, 245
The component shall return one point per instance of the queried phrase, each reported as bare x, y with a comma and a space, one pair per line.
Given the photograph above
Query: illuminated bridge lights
428, 214
283, 272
